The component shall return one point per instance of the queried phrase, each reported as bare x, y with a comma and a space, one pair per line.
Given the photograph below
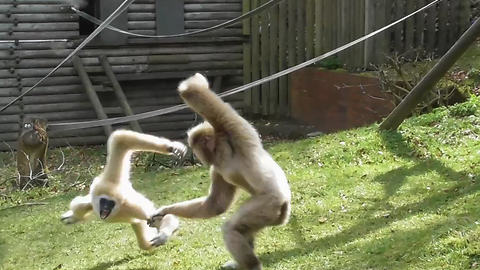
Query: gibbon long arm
219, 199
196, 93
122, 144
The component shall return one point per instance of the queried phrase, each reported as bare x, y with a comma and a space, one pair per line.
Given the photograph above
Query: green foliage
362, 199
465, 109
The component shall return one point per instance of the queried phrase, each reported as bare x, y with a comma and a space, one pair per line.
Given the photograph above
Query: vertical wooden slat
431, 29
292, 32
318, 27
247, 58
410, 29
398, 30
420, 26
291, 37
369, 50
264, 55
255, 59
443, 27
453, 21
300, 31
282, 57
465, 14
329, 13
273, 91
309, 27
359, 22
344, 11
382, 41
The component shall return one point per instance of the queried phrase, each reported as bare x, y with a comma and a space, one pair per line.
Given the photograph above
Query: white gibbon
232, 148
112, 197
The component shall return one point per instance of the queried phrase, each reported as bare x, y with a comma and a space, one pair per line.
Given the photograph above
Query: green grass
362, 199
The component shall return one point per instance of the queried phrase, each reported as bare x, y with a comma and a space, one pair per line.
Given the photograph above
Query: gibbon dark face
106, 207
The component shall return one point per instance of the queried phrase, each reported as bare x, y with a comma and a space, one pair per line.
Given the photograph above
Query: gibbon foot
230, 265
68, 218
160, 239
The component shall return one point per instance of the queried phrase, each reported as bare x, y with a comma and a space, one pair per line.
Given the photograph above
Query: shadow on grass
107, 265
2, 251
369, 222
394, 179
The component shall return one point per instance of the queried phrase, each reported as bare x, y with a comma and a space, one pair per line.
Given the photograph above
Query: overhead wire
186, 34
140, 116
121, 8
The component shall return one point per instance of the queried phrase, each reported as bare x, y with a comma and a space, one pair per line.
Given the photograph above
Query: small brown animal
232, 148
32, 153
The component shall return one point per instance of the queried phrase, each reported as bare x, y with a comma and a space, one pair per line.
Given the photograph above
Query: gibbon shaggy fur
232, 148
112, 197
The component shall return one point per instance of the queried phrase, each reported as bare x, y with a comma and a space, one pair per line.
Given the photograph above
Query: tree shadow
371, 222
395, 179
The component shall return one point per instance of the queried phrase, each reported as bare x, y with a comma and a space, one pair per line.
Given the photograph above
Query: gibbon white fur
112, 197
232, 148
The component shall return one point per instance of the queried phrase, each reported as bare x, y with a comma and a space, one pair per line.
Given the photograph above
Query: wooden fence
149, 69
298, 30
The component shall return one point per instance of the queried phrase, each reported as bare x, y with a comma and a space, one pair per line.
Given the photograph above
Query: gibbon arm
80, 209
135, 210
123, 142
196, 93
217, 202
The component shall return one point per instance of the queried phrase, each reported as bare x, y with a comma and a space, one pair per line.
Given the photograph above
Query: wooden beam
117, 88
92, 95
433, 76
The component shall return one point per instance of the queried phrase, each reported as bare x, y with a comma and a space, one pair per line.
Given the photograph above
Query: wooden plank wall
148, 69
296, 31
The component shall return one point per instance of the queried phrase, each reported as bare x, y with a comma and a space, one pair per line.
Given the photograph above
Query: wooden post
122, 99
92, 95
433, 76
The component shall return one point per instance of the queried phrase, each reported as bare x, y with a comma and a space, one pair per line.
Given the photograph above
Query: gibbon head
201, 139
105, 206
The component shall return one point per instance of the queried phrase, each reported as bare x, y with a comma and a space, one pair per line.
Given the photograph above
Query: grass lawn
362, 199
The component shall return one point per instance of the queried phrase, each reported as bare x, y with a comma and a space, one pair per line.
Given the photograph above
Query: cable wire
205, 30
140, 116
121, 8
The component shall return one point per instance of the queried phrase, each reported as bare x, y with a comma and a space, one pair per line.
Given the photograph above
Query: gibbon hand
157, 217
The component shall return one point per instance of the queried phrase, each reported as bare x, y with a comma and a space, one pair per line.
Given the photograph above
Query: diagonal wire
209, 29
110, 121
123, 7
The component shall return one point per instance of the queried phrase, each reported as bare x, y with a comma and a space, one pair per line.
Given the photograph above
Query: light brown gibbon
232, 148
112, 197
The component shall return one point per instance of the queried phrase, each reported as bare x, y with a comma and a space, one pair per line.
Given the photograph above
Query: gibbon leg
144, 234
80, 209
167, 227
148, 237
239, 232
